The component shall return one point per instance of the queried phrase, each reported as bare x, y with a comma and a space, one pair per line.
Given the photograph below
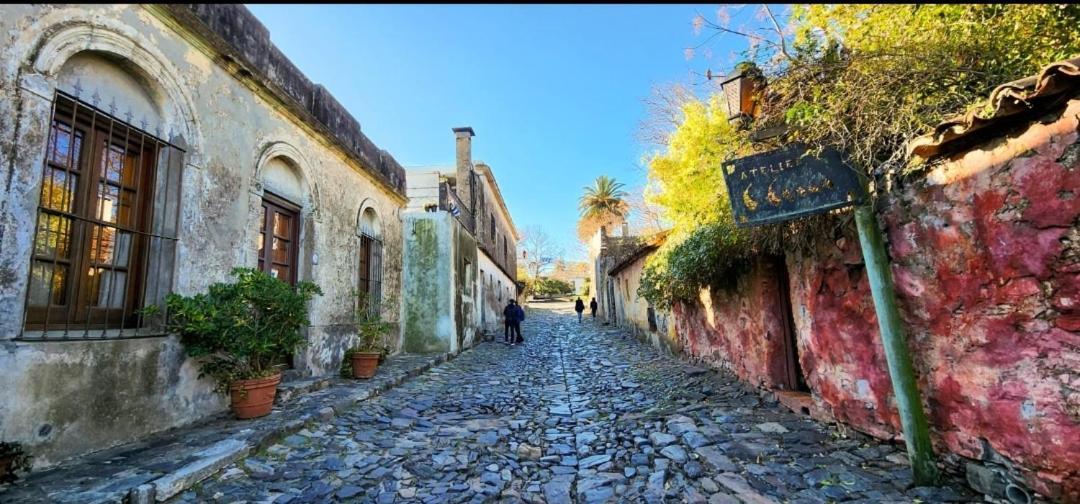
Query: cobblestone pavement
580, 413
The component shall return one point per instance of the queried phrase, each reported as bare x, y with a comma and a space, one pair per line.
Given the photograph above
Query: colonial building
148, 149
460, 259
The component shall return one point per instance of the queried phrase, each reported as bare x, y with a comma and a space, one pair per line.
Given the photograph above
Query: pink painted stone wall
737, 329
986, 257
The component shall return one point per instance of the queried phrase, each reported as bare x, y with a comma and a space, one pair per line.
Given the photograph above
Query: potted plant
366, 355
240, 333
12, 461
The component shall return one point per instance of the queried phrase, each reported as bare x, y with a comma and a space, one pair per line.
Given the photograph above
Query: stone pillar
463, 137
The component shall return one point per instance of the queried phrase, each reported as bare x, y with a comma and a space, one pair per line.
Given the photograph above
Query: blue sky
554, 93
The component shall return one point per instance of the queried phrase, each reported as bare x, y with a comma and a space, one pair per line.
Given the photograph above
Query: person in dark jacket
593, 306
579, 307
509, 322
518, 319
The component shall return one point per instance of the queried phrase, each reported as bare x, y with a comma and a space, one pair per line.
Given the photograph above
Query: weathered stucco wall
985, 253
428, 294
230, 131
466, 292
632, 311
993, 311
496, 289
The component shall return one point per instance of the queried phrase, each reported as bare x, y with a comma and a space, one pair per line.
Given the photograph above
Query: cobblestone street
580, 413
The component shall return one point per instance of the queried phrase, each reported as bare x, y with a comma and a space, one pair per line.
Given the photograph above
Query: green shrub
20, 462
241, 330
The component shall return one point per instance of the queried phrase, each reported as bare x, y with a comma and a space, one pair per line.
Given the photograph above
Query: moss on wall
422, 288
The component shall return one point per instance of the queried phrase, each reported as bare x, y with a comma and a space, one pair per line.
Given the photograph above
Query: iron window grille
106, 229
370, 278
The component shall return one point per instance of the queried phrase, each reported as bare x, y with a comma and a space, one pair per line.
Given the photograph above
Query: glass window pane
60, 146
58, 190
281, 225
262, 244
110, 288
280, 272
44, 276
108, 245
118, 165
53, 236
280, 251
114, 204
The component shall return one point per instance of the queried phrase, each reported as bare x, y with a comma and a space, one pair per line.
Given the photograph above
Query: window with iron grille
106, 228
370, 271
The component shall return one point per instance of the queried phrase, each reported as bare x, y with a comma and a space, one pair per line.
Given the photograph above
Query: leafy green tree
863, 79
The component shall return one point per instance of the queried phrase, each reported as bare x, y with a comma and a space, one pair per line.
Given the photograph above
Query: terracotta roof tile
1060, 80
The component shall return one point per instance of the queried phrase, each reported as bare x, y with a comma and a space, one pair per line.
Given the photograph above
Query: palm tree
604, 200
603, 204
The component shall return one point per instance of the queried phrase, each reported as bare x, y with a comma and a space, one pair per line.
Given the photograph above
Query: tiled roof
1056, 83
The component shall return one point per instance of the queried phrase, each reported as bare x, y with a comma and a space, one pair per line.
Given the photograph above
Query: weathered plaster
632, 310
428, 294
985, 253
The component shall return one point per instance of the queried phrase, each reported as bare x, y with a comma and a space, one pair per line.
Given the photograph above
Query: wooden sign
788, 183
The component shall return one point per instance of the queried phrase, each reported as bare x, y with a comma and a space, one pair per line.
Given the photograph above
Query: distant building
573, 273
460, 261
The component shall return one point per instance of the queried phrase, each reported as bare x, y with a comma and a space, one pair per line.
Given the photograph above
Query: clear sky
554, 93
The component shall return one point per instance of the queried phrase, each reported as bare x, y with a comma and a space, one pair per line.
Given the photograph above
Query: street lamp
741, 91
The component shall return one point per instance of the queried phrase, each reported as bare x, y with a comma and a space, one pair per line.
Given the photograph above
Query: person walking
593, 306
579, 307
509, 319
519, 317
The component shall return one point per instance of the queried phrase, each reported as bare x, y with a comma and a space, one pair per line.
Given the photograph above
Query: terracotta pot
254, 398
364, 364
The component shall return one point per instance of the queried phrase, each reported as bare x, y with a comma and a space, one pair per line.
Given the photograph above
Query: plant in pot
13, 460
371, 330
241, 332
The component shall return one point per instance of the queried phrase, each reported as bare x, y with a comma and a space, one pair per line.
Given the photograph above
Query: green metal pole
901, 372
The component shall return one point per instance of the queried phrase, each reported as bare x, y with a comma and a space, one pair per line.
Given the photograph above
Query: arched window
279, 228
108, 209
369, 279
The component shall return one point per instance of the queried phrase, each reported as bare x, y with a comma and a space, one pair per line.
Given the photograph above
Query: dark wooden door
793, 375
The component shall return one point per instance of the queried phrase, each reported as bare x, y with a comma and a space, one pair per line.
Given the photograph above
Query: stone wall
985, 252
737, 328
237, 127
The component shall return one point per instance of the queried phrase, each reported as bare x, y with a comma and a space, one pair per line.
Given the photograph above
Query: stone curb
229, 450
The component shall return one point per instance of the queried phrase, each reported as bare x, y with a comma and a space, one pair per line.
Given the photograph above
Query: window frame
89, 181
274, 204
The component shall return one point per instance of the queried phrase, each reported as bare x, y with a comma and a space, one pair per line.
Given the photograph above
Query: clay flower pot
364, 364
254, 398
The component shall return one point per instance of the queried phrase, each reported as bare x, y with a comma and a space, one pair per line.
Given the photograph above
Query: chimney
463, 137
625, 229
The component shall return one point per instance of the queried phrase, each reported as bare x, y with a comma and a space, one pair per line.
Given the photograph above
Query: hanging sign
788, 183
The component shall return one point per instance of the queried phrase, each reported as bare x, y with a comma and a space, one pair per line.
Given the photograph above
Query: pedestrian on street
592, 306
579, 307
509, 319
518, 319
